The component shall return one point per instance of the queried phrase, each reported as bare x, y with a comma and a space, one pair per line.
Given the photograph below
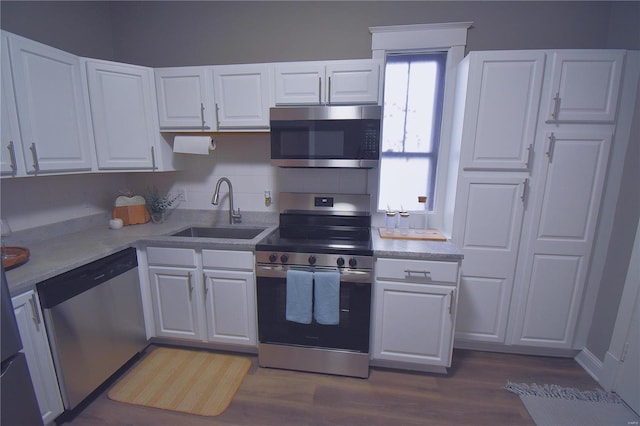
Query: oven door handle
346, 275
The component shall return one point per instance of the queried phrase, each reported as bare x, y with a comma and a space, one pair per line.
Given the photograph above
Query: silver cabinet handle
529, 153
525, 189
451, 302
552, 146
204, 123
319, 90
189, 283
556, 107
153, 158
34, 309
12, 157
34, 155
329, 91
217, 117
425, 274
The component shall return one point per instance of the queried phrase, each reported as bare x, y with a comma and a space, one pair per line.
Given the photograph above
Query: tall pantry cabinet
536, 130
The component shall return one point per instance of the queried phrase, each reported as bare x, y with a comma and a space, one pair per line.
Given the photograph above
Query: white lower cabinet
414, 313
488, 232
36, 349
176, 308
230, 302
558, 239
203, 295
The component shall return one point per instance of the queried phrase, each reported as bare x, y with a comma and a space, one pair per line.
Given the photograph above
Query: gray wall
165, 33
620, 246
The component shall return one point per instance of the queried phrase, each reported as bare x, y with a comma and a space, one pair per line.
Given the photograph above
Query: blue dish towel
327, 297
299, 296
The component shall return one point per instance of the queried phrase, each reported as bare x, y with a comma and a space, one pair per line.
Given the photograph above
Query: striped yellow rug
189, 381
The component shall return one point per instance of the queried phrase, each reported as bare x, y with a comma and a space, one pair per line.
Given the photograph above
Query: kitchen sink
219, 232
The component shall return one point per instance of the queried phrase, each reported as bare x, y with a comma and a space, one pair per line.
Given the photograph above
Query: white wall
35, 201
244, 159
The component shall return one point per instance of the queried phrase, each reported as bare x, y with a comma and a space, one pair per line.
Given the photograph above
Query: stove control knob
312, 260
353, 262
340, 261
284, 258
273, 257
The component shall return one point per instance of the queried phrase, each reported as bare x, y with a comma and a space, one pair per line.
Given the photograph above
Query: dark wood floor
471, 394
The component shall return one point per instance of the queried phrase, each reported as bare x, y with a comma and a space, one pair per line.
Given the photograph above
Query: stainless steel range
314, 276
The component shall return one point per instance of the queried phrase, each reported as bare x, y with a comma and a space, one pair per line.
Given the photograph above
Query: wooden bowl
14, 256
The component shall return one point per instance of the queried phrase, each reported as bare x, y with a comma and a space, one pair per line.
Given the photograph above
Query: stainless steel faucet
233, 215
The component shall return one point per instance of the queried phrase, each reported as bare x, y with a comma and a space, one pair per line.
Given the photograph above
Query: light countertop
56, 254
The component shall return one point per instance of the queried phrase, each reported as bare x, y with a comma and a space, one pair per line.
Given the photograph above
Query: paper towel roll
193, 144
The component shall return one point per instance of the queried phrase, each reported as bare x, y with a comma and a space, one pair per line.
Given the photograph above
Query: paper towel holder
184, 144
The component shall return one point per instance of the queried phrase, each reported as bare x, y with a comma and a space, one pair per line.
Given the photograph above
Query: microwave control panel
371, 139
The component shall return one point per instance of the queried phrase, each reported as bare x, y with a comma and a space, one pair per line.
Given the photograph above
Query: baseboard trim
514, 349
609, 371
590, 363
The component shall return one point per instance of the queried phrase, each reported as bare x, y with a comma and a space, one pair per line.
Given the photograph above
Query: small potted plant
158, 204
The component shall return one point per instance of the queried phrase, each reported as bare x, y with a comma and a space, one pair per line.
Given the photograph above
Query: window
413, 98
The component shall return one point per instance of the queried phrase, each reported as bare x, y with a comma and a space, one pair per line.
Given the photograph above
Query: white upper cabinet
51, 107
503, 95
184, 100
336, 82
353, 82
123, 111
599, 71
11, 160
299, 83
242, 95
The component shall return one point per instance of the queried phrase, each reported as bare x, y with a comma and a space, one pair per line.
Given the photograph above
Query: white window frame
452, 38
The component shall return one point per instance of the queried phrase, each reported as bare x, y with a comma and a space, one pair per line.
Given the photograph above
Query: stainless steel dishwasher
93, 316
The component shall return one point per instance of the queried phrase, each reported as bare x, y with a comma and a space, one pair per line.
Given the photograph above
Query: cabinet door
413, 323
11, 160
242, 96
122, 110
36, 349
299, 84
503, 97
353, 82
183, 99
230, 307
51, 107
489, 214
585, 86
176, 309
559, 238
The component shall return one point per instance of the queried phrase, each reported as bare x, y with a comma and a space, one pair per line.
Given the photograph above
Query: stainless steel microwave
325, 136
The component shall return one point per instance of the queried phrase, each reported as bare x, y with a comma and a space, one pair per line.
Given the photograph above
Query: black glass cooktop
320, 234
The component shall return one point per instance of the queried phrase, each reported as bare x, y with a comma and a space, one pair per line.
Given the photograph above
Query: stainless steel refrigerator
18, 399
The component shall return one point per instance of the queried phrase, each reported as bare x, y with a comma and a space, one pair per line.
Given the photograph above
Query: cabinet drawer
227, 259
171, 256
417, 270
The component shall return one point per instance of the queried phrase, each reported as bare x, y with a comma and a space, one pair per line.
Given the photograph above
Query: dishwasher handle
63, 287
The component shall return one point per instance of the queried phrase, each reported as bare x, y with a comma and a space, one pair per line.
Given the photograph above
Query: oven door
352, 331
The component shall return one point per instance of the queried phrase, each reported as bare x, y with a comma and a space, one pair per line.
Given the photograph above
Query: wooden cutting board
412, 234
131, 215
